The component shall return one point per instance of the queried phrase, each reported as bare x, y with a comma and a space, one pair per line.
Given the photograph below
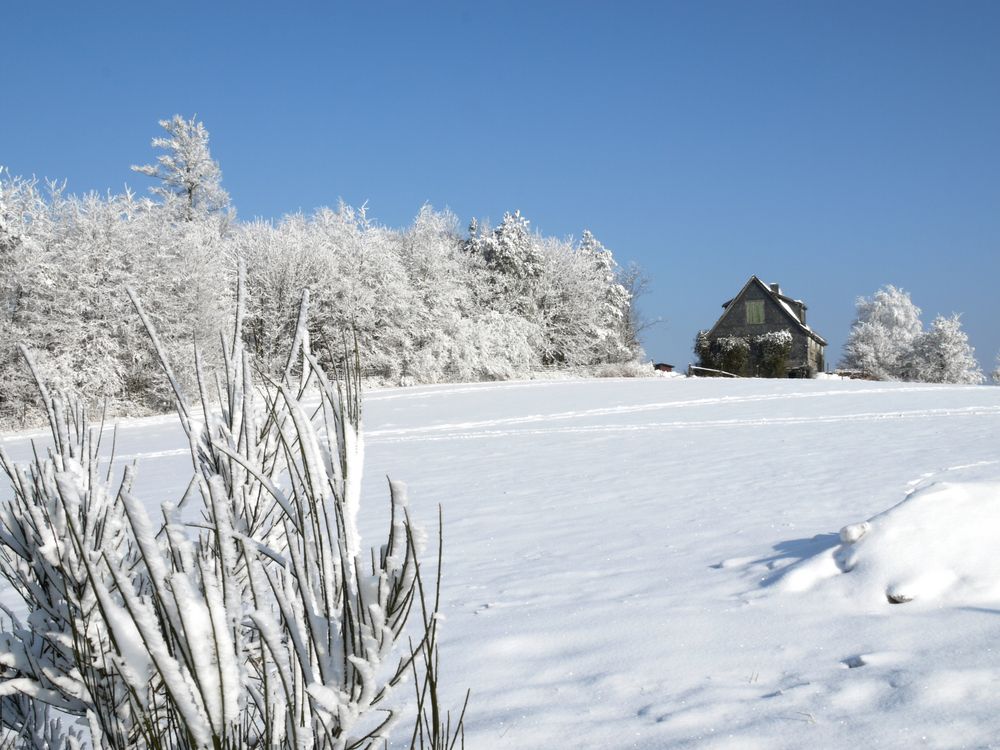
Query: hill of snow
695, 563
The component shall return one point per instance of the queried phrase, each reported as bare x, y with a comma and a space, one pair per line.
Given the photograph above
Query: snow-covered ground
657, 563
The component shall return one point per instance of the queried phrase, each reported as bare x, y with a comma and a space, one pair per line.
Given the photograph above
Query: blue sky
833, 147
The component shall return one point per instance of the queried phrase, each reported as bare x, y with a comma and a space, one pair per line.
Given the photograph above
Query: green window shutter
755, 311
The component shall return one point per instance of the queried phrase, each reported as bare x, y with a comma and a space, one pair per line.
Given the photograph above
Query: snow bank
941, 543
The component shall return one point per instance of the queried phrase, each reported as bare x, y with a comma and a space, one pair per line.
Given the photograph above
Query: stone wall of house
817, 357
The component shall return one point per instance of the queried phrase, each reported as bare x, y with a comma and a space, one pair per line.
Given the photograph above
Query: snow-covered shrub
634, 369
762, 356
727, 353
733, 353
62, 528
270, 628
771, 352
703, 350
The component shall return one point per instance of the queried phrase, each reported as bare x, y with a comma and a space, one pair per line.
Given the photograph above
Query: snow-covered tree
367, 292
619, 339
514, 262
882, 334
190, 178
440, 298
942, 354
23, 215
425, 304
511, 249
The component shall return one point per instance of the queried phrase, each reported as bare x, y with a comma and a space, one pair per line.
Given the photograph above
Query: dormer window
755, 311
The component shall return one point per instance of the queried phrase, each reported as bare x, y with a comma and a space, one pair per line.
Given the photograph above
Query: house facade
763, 332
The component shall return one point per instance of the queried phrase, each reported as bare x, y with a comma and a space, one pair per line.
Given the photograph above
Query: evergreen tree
619, 340
190, 179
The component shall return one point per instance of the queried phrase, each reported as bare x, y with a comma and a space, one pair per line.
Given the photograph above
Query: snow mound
942, 543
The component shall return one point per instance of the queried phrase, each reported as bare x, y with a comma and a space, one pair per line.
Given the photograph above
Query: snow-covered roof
789, 310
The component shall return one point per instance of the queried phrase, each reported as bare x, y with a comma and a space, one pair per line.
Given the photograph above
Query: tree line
427, 303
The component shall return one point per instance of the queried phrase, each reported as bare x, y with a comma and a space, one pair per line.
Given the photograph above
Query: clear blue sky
833, 147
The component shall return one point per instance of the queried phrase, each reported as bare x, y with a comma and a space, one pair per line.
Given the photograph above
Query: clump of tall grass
258, 622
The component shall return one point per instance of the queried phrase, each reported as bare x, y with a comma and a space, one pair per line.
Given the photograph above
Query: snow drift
941, 542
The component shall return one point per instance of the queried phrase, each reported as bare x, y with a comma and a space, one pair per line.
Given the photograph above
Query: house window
755, 311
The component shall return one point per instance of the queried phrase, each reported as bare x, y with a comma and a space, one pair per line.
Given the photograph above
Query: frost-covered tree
942, 354
570, 293
512, 255
882, 334
887, 341
616, 318
23, 216
281, 260
511, 249
190, 179
425, 304
439, 278
368, 291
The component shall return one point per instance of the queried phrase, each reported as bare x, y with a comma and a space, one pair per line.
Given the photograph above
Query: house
762, 332
663, 367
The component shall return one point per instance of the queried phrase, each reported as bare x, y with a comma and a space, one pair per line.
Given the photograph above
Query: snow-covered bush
703, 350
733, 353
727, 353
771, 352
271, 627
758, 356
634, 369
63, 524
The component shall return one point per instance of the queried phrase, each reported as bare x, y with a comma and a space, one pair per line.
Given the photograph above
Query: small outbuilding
663, 367
762, 333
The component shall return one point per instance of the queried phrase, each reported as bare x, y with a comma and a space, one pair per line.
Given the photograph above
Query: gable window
755, 311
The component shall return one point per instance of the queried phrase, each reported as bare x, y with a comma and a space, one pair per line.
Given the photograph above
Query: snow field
647, 563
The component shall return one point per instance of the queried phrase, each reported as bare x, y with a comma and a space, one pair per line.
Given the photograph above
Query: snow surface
659, 562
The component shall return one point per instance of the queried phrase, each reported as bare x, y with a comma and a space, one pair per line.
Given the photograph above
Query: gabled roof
786, 304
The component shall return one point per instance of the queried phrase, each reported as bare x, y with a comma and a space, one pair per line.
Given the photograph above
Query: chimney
776, 288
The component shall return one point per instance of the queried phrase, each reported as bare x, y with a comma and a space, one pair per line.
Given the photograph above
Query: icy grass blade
264, 628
